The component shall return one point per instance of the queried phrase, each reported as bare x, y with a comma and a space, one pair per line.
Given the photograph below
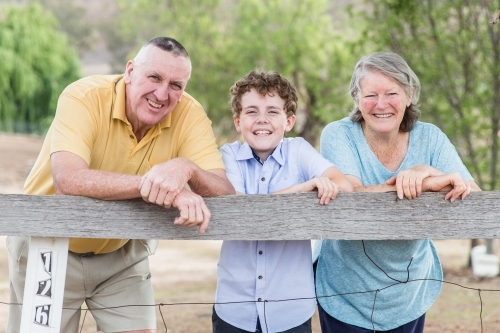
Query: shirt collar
246, 153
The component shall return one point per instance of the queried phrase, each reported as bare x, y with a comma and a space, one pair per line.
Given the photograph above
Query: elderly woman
383, 147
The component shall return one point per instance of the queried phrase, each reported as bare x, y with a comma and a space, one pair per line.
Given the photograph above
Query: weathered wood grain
264, 217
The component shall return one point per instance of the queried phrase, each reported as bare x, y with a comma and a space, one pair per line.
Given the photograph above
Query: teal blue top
344, 269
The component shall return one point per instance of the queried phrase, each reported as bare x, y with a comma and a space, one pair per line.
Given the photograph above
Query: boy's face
263, 122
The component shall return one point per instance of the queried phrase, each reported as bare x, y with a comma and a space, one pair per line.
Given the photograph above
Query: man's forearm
209, 183
98, 184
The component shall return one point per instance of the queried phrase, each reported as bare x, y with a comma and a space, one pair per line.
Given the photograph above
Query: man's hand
192, 209
163, 183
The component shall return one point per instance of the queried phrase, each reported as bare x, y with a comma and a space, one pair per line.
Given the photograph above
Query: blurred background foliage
450, 44
36, 63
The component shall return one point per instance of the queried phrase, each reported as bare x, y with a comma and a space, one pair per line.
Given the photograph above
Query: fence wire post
44, 286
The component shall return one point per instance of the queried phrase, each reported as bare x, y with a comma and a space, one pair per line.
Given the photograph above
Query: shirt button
260, 252
259, 299
260, 277
131, 136
263, 179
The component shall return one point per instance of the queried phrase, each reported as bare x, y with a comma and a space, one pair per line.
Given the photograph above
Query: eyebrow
180, 83
268, 107
155, 73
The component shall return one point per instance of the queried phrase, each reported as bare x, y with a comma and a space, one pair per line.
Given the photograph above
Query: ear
236, 121
410, 97
290, 121
129, 68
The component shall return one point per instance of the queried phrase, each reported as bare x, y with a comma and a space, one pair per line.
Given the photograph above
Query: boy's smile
263, 122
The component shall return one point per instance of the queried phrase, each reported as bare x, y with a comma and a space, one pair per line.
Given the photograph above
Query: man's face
155, 81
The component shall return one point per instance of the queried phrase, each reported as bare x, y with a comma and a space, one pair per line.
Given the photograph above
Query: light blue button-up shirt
257, 273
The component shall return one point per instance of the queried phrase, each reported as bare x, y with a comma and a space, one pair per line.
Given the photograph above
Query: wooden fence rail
52, 220
263, 217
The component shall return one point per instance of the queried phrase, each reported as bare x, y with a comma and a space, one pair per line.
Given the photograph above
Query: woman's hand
453, 183
409, 182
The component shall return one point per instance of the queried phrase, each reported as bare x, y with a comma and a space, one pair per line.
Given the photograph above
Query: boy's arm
336, 176
328, 185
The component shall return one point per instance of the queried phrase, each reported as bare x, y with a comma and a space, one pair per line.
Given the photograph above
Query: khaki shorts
115, 280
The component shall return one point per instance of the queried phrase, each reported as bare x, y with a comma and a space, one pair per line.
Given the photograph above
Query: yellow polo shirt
90, 122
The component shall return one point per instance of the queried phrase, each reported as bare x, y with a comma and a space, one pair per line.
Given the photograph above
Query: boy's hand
327, 190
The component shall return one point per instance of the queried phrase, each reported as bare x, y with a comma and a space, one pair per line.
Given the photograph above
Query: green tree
228, 39
455, 51
36, 65
297, 39
73, 21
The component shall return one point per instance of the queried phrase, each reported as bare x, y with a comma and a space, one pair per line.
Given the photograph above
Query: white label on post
44, 286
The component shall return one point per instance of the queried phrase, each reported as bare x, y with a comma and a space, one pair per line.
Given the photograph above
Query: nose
161, 92
262, 118
382, 102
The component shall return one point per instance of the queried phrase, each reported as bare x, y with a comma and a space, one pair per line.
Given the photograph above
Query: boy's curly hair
264, 83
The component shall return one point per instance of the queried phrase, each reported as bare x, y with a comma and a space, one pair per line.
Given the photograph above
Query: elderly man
120, 137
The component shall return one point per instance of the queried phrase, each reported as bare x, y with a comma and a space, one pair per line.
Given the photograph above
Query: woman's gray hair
395, 67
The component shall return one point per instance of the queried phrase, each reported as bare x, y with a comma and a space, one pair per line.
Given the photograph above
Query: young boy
251, 273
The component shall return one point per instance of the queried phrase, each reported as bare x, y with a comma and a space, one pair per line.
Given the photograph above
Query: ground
185, 271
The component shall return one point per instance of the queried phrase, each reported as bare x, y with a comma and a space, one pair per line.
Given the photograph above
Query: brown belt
83, 255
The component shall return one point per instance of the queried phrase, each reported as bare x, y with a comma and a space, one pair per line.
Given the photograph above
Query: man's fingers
206, 218
145, 189
192, 211
160, 199
169, 198
153, 194
183, 215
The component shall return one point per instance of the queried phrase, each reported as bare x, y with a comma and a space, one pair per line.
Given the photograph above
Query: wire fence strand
374, 291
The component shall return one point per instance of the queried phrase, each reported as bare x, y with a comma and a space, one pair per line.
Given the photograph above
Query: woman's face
382, 102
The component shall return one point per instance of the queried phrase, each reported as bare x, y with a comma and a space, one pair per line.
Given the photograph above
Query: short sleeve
75, 127
337, 146
311, 163
233, 171
445, 157
198, 143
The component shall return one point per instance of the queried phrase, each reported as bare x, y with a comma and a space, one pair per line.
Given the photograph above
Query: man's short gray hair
168, 44
395, 67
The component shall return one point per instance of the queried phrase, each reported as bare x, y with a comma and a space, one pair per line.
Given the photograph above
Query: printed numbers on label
47, 261
45, 288
42, 315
